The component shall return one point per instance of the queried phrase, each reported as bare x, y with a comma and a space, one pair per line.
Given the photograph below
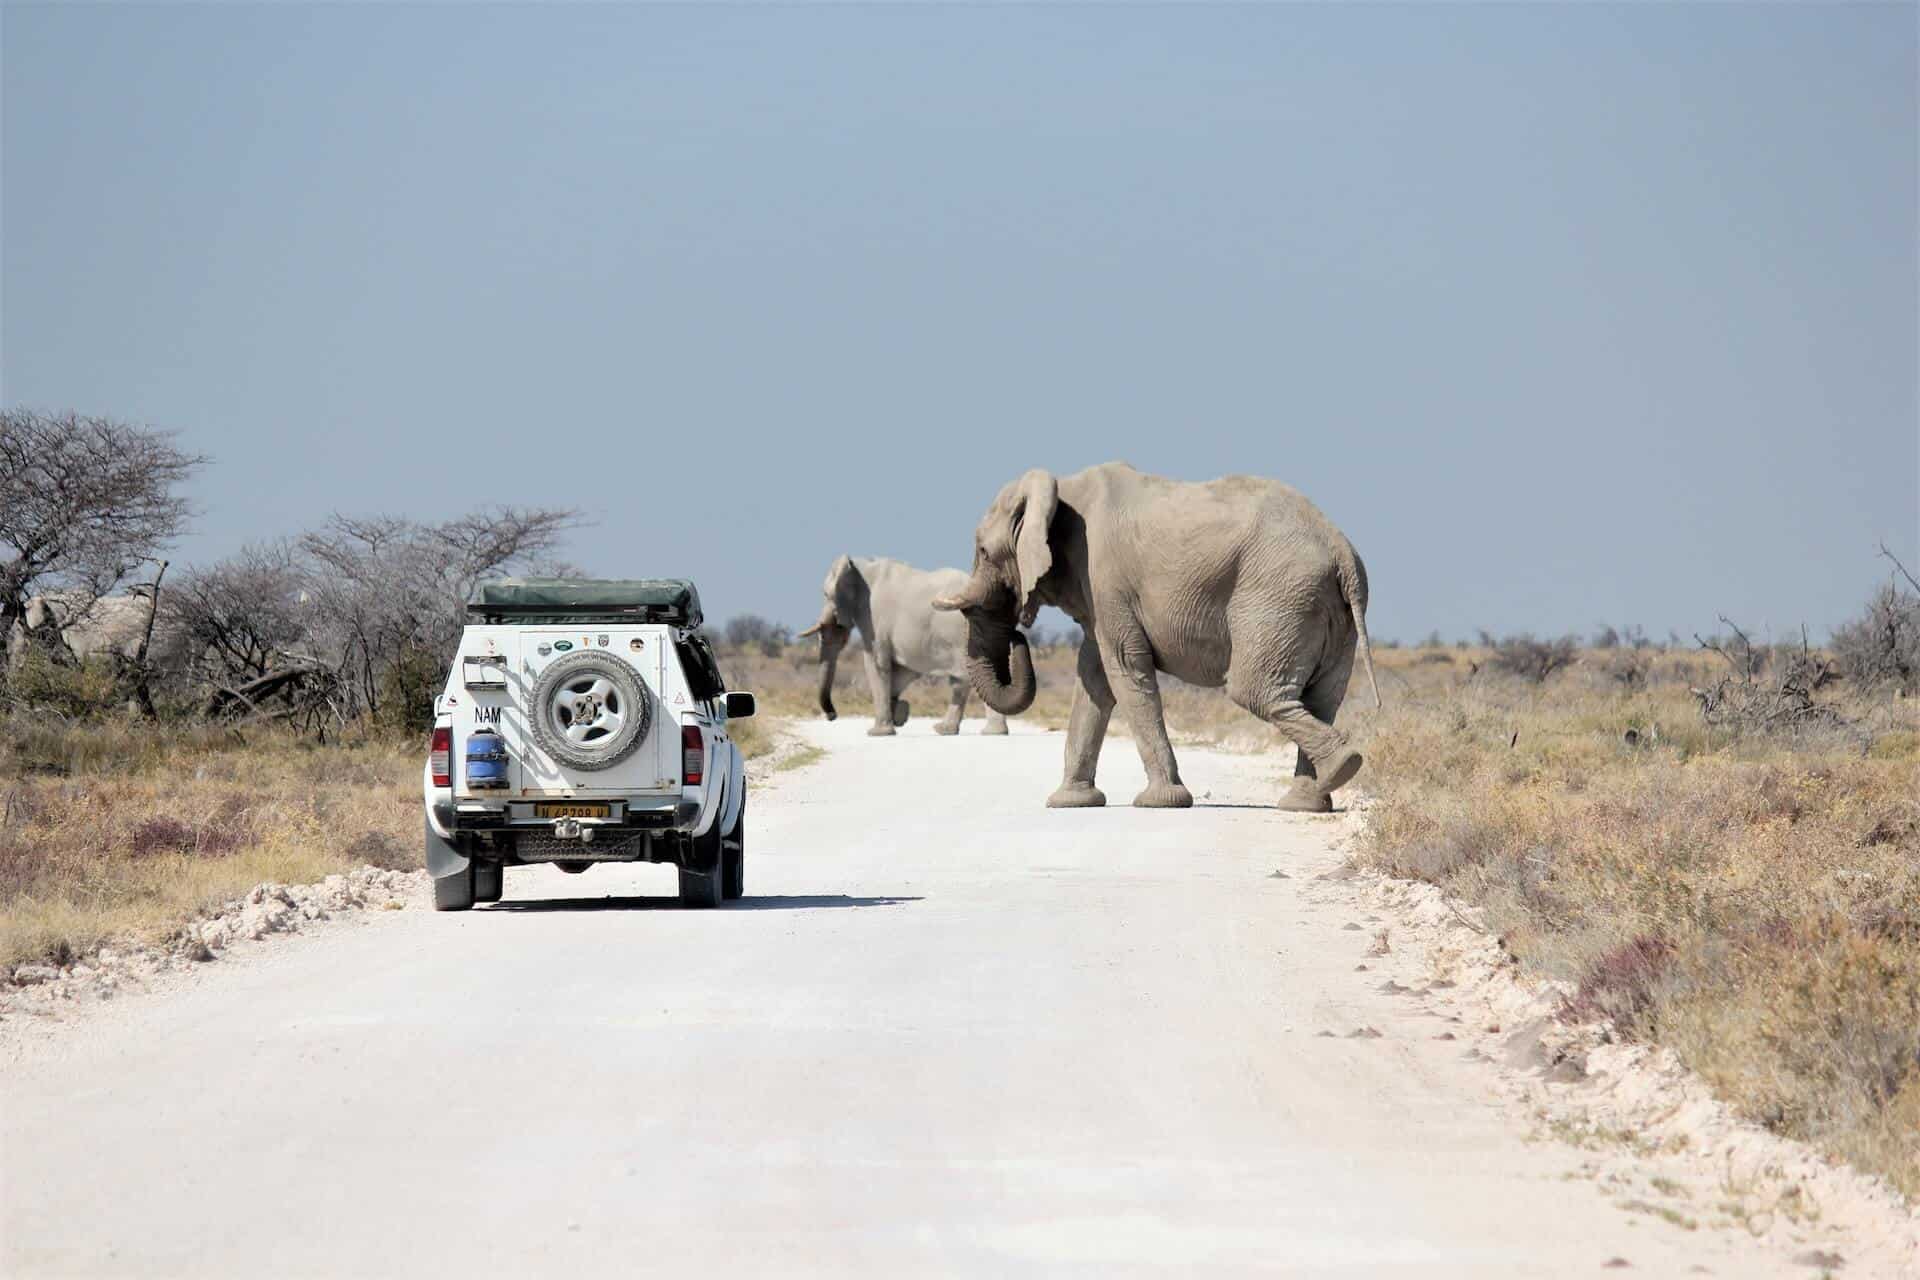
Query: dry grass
115, 830
1750, 900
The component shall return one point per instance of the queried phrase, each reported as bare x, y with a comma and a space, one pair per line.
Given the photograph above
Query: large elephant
891, 605
1238, 582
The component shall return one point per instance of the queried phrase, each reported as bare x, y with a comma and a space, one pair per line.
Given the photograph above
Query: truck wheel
700, 888
454, 892
489, 881
733, 856
701, 879
589, 710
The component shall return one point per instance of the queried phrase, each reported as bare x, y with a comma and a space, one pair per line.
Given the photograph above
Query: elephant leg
1305, 795
1325, 761
996, 724
880, 681
1086, 731
1136, 687
957, 690
902, 677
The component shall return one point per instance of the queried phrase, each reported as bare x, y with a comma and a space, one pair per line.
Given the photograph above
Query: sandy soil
950, 1031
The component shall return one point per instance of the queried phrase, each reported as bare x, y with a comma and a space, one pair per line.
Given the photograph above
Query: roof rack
530, 600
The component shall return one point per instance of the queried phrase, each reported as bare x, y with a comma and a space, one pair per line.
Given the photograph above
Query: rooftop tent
669, 600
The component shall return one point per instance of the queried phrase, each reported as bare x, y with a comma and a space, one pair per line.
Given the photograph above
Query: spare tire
589, 711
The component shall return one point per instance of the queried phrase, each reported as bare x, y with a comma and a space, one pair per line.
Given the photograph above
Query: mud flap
443, 856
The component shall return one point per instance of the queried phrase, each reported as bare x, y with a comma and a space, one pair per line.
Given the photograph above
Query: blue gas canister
486, 761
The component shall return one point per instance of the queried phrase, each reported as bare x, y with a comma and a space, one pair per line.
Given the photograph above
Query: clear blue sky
1563, 313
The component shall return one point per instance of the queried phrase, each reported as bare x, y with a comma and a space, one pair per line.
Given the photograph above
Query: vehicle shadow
668, 902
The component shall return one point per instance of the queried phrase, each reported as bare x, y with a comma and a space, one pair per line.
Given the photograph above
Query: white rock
30, 975
216, 934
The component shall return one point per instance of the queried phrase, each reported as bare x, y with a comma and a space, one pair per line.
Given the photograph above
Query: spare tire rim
588, 710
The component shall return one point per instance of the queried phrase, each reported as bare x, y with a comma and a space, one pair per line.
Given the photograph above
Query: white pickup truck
584, 721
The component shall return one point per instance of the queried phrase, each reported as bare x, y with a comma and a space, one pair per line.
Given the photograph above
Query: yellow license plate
571, 810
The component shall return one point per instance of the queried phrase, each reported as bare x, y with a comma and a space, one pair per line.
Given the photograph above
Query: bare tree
1881, 646
387, 592
83, 502
245, 615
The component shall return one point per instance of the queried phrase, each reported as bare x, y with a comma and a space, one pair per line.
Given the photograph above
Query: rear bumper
636, 816
645, 831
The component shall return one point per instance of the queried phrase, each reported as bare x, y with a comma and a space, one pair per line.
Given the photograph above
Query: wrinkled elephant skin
1239, 582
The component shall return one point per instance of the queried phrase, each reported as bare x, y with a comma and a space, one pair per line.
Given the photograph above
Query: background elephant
1238, 582
891, 605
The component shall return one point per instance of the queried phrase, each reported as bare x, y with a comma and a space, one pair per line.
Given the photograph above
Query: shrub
76, 690
751, 631
162, 835
408, 687
1530, 659
1620, 985
1882, 645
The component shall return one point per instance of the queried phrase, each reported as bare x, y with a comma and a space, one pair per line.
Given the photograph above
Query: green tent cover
660, 599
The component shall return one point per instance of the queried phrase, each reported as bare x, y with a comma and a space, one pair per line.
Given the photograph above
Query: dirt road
951, 1032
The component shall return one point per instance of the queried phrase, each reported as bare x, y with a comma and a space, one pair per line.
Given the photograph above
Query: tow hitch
570, 829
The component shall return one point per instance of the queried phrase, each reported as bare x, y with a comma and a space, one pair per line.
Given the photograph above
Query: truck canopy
559, 600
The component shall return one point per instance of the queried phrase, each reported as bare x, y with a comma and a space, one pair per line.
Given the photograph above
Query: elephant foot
996, 727
1164, 795
880, 731
948, 727
1074, 795
900, 711
1305, 796
1338, 771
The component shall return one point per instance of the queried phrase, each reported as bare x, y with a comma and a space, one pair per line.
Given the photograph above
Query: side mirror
740, 706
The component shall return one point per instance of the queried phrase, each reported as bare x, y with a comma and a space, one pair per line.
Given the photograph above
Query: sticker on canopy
563, 645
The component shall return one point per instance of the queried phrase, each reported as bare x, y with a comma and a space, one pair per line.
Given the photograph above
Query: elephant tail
1353, 585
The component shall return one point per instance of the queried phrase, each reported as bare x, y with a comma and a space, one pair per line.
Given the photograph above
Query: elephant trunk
833, 638
828, 665
1000, 666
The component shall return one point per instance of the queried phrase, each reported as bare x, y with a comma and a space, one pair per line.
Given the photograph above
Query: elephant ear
847, 589
1033, 515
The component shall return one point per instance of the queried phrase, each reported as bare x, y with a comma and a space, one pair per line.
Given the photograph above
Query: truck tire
699, 889
489, 881
733, 856
589, 710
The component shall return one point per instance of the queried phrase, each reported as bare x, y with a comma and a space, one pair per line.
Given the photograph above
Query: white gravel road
949, 1033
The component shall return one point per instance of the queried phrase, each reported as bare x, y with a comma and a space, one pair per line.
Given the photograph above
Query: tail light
439, 757
693, 754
